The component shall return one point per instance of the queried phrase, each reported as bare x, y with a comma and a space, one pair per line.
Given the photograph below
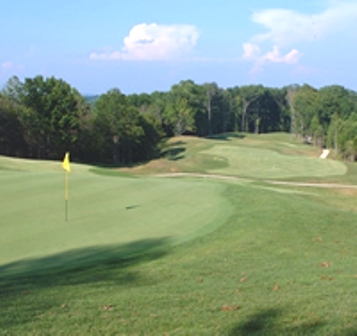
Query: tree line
45, 117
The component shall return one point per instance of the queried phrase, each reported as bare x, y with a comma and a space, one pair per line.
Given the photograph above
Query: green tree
235, 108
317, 131
335, 99
181, 107
52, 116
13, 89
249, 94
118, 126
12, 140
291, 92
211, 90
306, 105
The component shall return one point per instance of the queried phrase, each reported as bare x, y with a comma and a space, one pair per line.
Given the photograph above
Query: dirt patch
347, 192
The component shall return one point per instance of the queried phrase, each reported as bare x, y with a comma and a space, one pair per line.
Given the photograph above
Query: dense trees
44, 117
11, 129
52, 118
120, 129
327, 117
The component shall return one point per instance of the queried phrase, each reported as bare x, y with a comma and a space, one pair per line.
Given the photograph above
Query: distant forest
45, 117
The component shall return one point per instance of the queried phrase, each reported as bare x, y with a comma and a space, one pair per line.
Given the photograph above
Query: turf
268, 156
102, 210
269, 164
239, 257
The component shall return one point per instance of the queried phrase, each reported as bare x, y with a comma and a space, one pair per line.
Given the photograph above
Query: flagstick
66, 210
66, 196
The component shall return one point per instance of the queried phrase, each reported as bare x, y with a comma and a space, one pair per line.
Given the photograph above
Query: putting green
102, 210
265, 163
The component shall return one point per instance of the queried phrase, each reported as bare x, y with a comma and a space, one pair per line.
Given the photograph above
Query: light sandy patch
324, 154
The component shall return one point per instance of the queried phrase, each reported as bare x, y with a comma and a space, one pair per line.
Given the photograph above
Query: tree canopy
44, 117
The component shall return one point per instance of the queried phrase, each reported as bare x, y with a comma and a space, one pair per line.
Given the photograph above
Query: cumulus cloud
154, 42
274, 56
253, 52
287, 29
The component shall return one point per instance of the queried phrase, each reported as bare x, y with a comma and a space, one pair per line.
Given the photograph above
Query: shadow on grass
226, 136
174, 154
111, 171
81, 266
36, 289
266, 322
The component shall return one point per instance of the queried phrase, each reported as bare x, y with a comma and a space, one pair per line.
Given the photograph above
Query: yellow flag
65, 163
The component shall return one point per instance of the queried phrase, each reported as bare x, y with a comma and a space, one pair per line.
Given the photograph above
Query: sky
149, 45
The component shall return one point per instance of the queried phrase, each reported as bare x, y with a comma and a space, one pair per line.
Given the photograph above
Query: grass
102, 210
269, 164
276, 260
268, 156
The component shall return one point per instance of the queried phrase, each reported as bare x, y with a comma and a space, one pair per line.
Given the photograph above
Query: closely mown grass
102, 210
281, 262
265, 156
269, 164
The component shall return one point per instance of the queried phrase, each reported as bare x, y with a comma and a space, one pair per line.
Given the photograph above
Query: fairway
265, 163
262, 156
102, 210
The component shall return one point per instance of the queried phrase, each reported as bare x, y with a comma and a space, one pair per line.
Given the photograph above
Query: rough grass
281, 261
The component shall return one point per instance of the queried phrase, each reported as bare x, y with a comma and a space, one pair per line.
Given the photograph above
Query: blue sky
147, 45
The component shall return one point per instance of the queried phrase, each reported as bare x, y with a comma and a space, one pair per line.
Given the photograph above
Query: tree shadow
265, 322
174, 154
33, 288
81, 266
226, 136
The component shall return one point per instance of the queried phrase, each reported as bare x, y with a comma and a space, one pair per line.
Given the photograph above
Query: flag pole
66, 166
66, 196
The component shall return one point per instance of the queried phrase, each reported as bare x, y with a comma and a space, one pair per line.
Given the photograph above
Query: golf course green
198, 242
102, 209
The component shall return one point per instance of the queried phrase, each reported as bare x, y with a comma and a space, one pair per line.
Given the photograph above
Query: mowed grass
102, 210
275, 260
266, 156
269, 164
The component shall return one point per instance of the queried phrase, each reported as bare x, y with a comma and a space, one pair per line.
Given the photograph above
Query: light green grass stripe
264, 163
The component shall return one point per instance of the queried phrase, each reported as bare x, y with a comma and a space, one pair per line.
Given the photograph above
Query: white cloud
154, 42
287, 27
253, 52
7, 65
274, 56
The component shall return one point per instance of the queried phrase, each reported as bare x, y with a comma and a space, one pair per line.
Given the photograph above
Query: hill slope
265, 259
